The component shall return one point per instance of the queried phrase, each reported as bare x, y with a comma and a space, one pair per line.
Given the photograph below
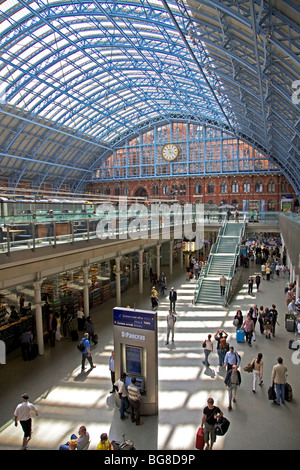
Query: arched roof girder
95, 70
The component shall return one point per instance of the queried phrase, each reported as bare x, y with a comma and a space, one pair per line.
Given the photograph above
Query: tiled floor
66, 399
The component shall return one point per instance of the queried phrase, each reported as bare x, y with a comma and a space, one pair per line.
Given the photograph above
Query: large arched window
235, 186
258, 186
210, 187
224, 186
198, 188
155, 190
247, 186
182, 189
271, 185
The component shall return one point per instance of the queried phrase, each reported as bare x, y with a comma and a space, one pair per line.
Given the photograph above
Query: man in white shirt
111, 367
23, 414
122, 392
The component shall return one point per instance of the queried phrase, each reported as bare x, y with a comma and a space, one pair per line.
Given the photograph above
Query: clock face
170, 152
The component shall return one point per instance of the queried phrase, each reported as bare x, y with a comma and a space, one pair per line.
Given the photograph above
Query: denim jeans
280, 393
124, 406
221, 355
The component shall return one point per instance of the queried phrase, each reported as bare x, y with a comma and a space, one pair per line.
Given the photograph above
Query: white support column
158, 260
141, 271
171, 256
86, 300
297, 287
38, 316
118, 281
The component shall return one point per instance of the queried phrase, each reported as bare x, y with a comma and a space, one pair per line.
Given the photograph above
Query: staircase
222, 260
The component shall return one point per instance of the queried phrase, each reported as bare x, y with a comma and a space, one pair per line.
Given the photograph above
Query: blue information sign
134, 318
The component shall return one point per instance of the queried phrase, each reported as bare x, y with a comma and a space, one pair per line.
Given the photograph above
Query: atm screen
133, 360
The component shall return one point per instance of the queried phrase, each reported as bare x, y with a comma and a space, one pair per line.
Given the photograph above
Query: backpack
81, 346
223, 343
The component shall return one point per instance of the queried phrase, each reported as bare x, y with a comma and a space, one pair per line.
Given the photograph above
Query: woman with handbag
238, 320
257, 365
208, 348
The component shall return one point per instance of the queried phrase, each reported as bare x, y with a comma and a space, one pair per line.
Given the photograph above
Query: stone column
171, 256
118, 281
141, 271
86, 300
158, 260
38, 316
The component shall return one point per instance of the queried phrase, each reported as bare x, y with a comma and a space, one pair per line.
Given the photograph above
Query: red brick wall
271, 196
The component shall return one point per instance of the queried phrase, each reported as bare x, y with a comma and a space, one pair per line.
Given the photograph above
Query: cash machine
135, 347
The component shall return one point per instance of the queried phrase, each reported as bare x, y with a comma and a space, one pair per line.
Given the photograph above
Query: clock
170, 152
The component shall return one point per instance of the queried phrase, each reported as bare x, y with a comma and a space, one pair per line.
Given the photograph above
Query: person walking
222, 284
248, 326
250, 285
221, 345
258, 365
261, 319
274, 315
257, 281
263, 271
231, 358
171, 320
90, 329
172, 298
268, 323
111, 366
80, 319
163, 283
209, 418
208, 348
232, 381
86, 353
23, 414
134, 396
279, 379
52, 326
238, 320
26, 342
154, 296
123, 395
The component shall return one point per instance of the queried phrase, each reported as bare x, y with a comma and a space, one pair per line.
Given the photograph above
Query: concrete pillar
158, 260
171, 256
38, 316
141, 271
86, 300
297, 286
118, 281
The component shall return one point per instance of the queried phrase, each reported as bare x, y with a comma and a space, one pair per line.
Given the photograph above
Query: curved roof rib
79, 76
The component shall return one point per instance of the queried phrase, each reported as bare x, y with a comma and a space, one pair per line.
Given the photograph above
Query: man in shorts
23, 414
209, 418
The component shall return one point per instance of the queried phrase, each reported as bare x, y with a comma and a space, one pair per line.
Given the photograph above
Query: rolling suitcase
289, 323
199, 444
288, 392
272, 393
240, 336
